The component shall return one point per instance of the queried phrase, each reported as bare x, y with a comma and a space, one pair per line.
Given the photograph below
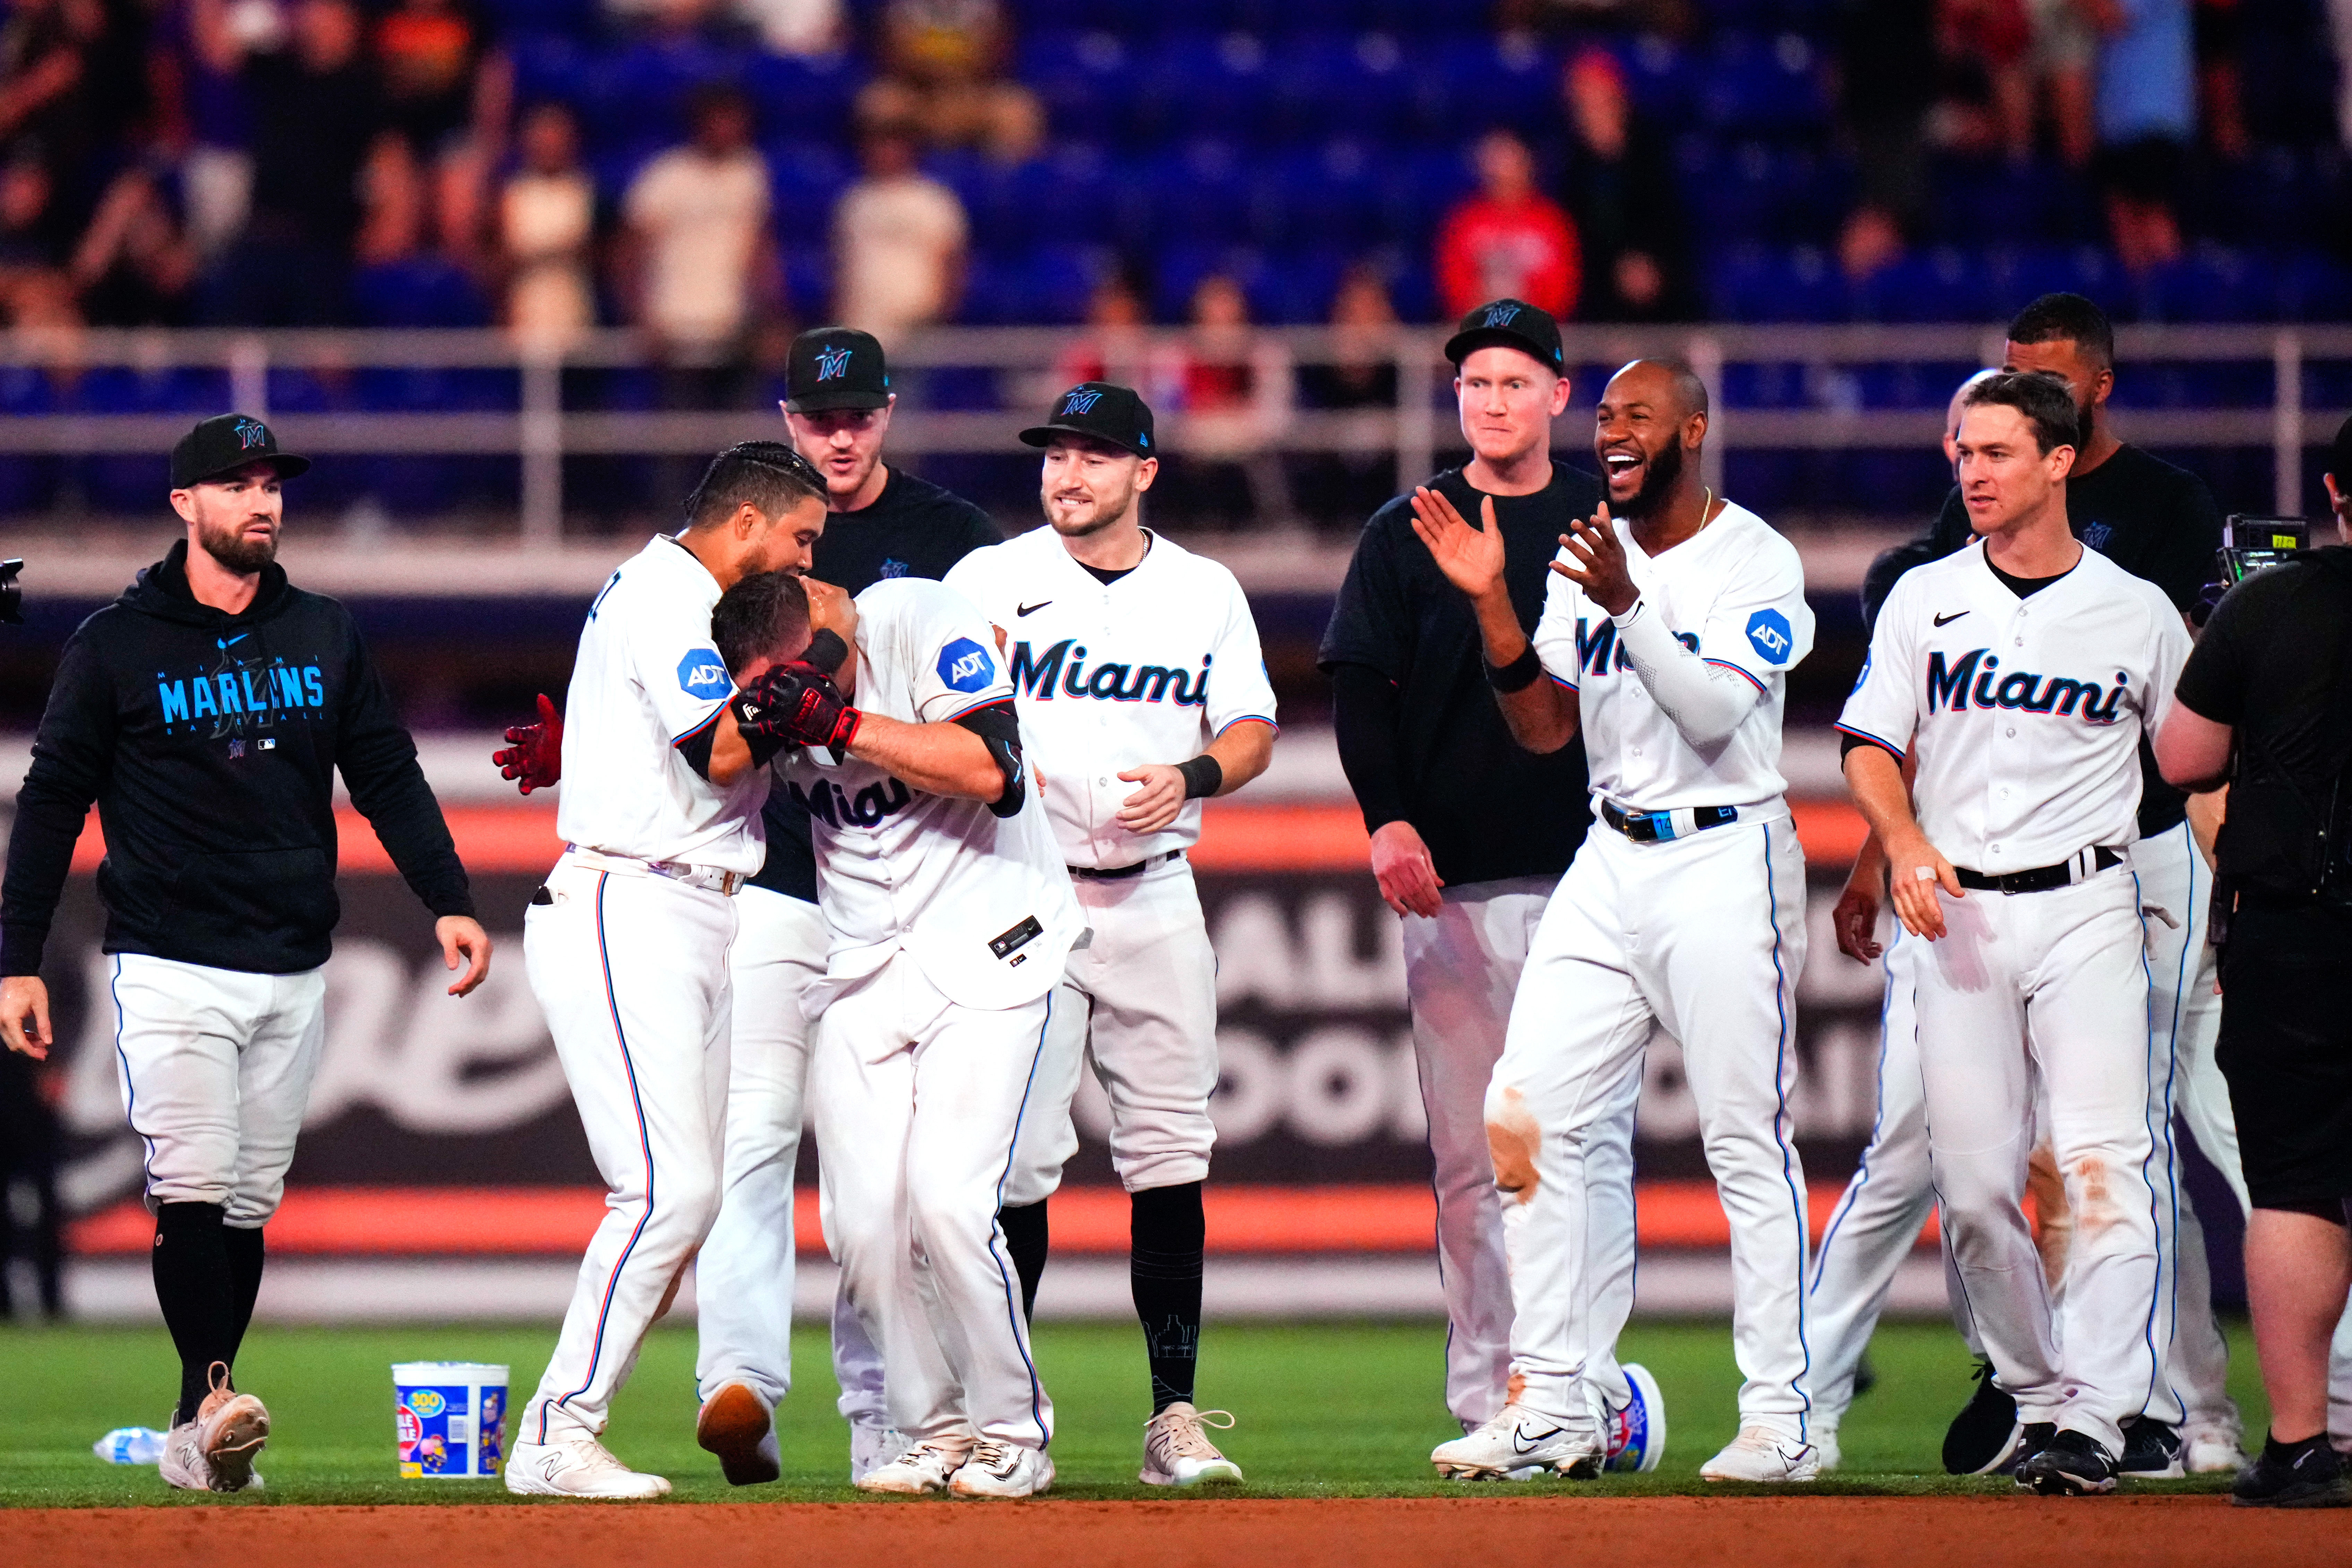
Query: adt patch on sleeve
964, 665
1768, 630
702, 673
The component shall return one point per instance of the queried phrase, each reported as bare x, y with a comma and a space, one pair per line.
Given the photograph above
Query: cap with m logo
1100, 411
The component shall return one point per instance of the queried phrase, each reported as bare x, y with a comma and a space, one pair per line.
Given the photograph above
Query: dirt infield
1671, 1532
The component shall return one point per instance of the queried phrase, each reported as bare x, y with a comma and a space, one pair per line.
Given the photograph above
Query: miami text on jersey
869, 808
1593, 649
1038, 677
1976, 680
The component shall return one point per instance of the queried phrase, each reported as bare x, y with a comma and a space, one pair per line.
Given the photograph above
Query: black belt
2041, 878
1120, 873
1651, 826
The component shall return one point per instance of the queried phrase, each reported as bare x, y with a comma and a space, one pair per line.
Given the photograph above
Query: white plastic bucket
451, 1416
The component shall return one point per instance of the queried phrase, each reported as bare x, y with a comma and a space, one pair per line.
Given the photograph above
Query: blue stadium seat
1663, 80
1757, 190
1421, 186
2313, 286
1941, 284
2211, 283
552, 65
2020, 273
1089, 81
1468, 82
1759, 85
808, 277
798, 97
1762, 283
807, 178
1199, 193
1183, 264
1330, 84
422, 292
641, 91
1331, 194
574, 19
1202, 84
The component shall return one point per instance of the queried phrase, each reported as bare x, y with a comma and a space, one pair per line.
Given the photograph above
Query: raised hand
1471, 559
1596, 564
533, 756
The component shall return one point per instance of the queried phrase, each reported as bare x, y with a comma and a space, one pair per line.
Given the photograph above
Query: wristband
1516, 676
1631, 614
1203, 775
764, 744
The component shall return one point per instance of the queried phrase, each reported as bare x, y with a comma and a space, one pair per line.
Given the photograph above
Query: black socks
206, 1277
1025, 1237
1167, 1234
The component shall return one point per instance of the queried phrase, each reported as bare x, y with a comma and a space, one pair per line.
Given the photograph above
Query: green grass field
1324, 1409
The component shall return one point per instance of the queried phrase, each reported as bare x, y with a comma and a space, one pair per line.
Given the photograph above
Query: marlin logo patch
832, 364
251, 434
1081, 402
1501, 315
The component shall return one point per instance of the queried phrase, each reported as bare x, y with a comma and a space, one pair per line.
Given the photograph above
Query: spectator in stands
547, 219
698, 258
2065, 52
2220, 26
2147, 118
804, 28
1991, 44
448, 90
1508, 240
943, 72
1887, 62
45, 78
203, 58
1338, 487
314, 113
1622, 191
35, 290
410, 274
1232, 385
135, 263
1113, 349
898, 241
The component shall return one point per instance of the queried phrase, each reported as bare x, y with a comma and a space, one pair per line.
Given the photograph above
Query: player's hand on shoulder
1156, 802
1407, 876
24, 1015
1471, 559
1915, 872
533, 755
1596, 564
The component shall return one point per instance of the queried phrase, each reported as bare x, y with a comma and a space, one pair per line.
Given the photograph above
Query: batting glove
798, 702
534, 755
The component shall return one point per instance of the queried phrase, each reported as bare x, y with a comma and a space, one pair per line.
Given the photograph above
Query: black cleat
2071, 1466
2031, 1438
2308, 1473
2151, 1450
1983, 1437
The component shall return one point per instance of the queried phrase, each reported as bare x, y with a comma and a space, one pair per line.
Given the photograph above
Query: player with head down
951, 918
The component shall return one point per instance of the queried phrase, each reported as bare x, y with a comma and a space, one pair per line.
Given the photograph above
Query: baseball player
951, 918
207, 712
627, 945
882, 521
2021, 672
1668, 639
1127, 651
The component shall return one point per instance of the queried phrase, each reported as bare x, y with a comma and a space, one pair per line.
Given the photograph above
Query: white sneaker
1759, 1455
873, 1443
1825, 1448
924, 1468
1003, 1470
2210, 1448
215, 1451
576, 1466
1177, 1451
1517, 1443
182, 1463
736, 1424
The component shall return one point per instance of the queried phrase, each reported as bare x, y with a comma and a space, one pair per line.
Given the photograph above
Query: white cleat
1003, 1470
1177, 1451
873, 1443
2210, 1448
215, 1451
1825, 1447
1760, 1455
922, 1467
1517, 1445
576, 1466
736, 1424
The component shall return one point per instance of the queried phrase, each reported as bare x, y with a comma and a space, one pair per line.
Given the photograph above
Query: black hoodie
209, 742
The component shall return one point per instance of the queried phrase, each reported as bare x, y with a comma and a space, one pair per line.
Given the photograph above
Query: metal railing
540, 431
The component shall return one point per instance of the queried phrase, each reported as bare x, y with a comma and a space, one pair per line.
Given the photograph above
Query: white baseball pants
216, 1067
915, 1102
1140, 1003
631, 973
1704, 937
2050, 987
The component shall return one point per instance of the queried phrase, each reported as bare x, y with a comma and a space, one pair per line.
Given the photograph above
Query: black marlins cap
226, 442
835, 367
1511, 323
1105, 412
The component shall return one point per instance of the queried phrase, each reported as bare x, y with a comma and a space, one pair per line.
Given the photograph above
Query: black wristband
1204, 776
763, 746
1516, 676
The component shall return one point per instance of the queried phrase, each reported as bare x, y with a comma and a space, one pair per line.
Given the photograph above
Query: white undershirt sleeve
1706, 703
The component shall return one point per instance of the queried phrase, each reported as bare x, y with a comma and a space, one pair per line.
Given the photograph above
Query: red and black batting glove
534, 755
800, 704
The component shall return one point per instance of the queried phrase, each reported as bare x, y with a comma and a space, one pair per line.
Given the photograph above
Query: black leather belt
2041, 878
1651, 826
1120, 873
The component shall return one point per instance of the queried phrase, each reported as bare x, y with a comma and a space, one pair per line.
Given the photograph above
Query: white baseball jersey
980, 903
647, 679
1149, 669
1733, 593
2026, 713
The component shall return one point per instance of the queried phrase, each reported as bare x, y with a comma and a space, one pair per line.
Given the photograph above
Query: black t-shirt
914, 529
2267, 665
1486, 808
2153, 520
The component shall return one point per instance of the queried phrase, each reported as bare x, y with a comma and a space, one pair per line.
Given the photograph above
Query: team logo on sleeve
702, 673
1768, 631
964, 665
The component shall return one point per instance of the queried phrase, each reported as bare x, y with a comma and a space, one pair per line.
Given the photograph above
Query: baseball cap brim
1039, 435
1462, 346
289, 466
826, 399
